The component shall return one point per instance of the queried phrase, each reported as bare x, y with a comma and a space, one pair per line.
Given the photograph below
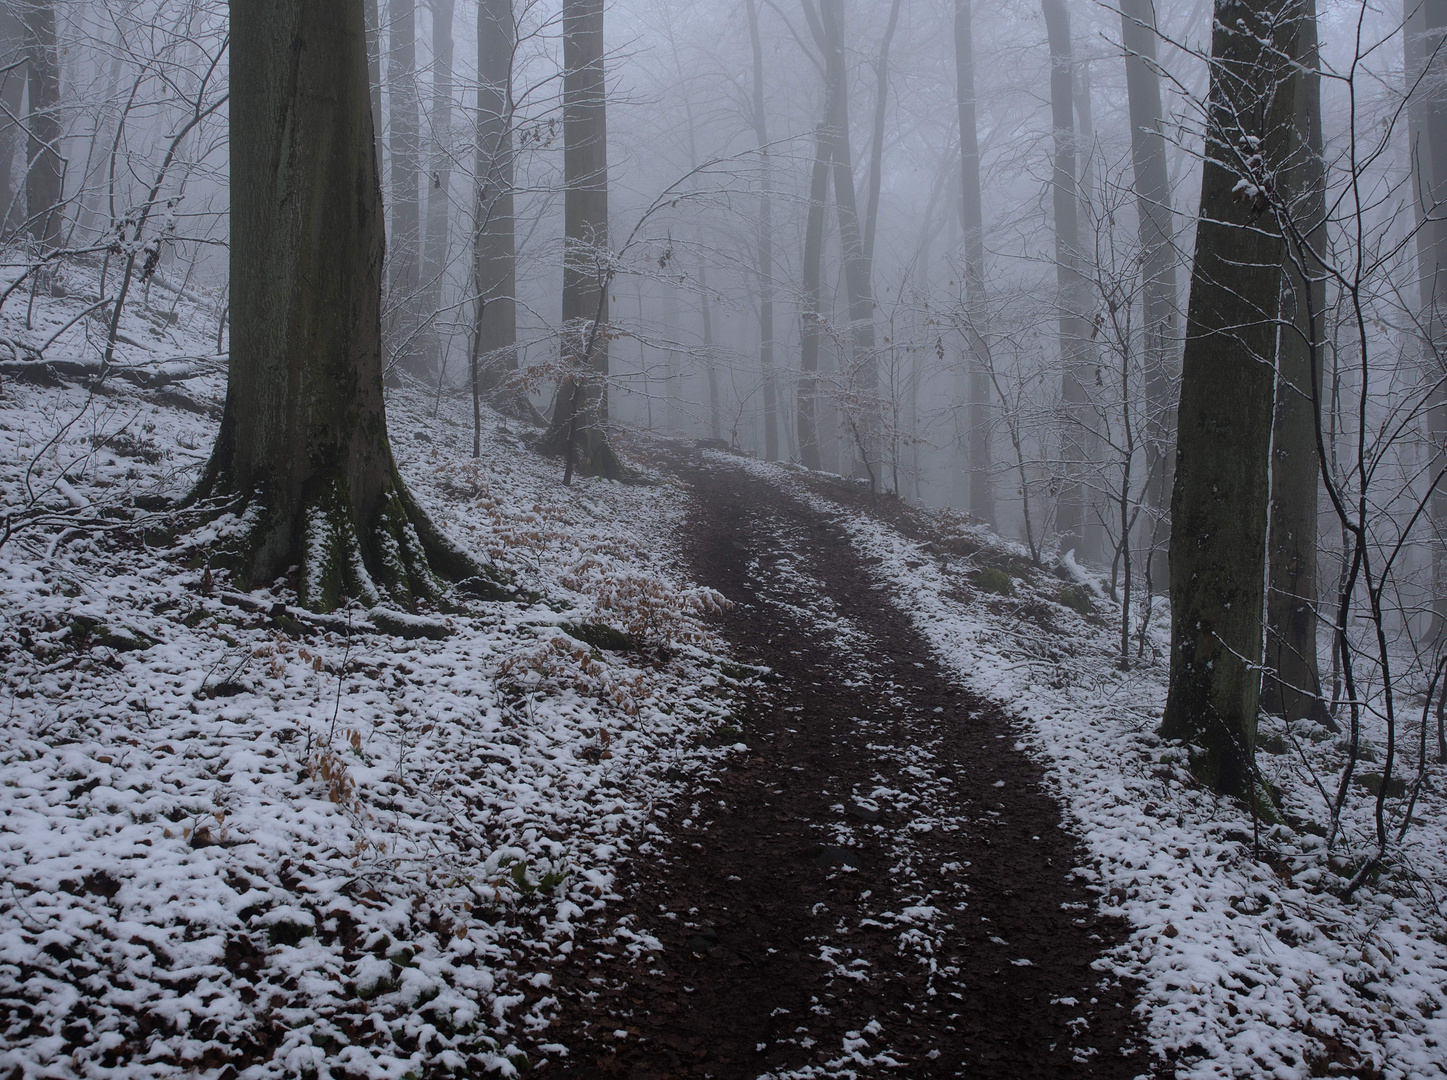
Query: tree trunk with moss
1219, 506
302, 460
578, 428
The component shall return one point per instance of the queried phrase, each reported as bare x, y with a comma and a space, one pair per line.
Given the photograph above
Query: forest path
878, 887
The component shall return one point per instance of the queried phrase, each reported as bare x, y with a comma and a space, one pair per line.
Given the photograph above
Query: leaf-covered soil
878, 886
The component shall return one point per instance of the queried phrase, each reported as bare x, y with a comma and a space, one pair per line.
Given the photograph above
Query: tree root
399, 557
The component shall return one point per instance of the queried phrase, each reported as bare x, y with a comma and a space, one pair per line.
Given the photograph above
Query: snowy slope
236, 841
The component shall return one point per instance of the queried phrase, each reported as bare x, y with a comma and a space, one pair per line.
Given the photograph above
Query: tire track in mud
878, 887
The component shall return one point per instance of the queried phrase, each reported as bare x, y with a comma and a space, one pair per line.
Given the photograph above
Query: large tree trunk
404, 265
1219, 506
982, 496
1291, 686
1158, 257
302, 458
1427, 120
1070, 299
765, 243
862, 377
439, 181
579, 422
494, 241
45, 173
12, 94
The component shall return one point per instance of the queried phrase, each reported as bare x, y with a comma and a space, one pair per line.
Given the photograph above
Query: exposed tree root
399, 557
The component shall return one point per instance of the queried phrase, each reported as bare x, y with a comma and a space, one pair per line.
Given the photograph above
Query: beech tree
45, 168
404, 208
494, 348
436, 242
578, 427
765, 241
302, 459
1424, 22
1292, 686
1219, 504
1070, 285
982, 497
1158, 256
12, 93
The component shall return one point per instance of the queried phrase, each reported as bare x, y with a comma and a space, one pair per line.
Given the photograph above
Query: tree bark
765, 243
1158, 257
302, 457
1219, 505
45, 172
439, 182
578, 425
1291, 686
1070, 285
982, 495
404, 264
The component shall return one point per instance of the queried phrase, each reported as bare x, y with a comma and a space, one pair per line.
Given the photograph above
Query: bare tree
302, 456
45, 168
578, 428
982, 496
439, 182
405, 233
1291, 686
1158, 261
1219, 507
765, 241
1070, 286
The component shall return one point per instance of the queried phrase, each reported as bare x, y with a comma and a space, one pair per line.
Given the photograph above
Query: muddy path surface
878, 887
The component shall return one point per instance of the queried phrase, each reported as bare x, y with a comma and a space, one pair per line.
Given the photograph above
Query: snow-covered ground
236, 841
234, 836
1250, 966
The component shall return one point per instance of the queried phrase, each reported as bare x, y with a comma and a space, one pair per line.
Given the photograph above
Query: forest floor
880, 885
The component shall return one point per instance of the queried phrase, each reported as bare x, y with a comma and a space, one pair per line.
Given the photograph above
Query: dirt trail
878, 887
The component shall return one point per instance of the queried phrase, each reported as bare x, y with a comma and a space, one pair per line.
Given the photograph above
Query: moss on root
400, 556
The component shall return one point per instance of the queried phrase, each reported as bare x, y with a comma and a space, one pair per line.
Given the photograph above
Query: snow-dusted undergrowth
237, 841
1248, 967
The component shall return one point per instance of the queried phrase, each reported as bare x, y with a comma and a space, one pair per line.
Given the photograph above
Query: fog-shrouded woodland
770, 539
